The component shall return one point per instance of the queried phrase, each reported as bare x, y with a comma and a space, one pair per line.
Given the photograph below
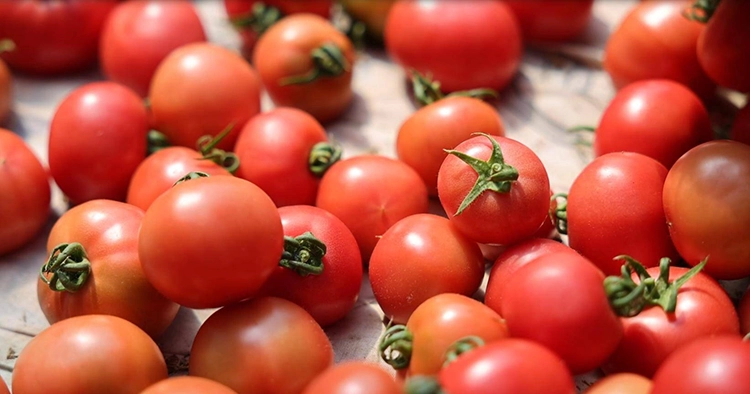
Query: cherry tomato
188, 385
354, 377
621, 383
139, 34
552, 21
25, 200
741, 126
97, 139
719, 45
265, 345
103, 354
372, 13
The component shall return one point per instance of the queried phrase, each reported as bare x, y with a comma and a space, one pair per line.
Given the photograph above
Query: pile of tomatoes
182, 192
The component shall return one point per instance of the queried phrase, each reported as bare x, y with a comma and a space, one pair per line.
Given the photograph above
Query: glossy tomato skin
188, 385
461, 44
544, 21
370, 193
419, 257
200, 89
6, 92
222, 232
714, 177
97, 139
139, 34
718, 45
661, 119
703, 310
741, 126
53, 37
622, 383
104, 354
284, 50
444, 124
264, 345
354, 377
25, 201
274, 150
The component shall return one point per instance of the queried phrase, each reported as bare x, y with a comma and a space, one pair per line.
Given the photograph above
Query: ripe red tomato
97, 139
266, 345
188, 385
741, 126
441, 125
139, 34
103, 354
463, 44
354, 377
212, 241
53, 37
714, 176
719, 45
200, 89
659, 118
621, 383
552, 21
306, 63
25, 200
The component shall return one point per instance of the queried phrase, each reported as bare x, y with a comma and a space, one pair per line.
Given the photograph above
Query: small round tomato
441, 125
552, 21
266, 345
25, 200
188, 385
741, 126
621, 383
139, 34
103, 354
719, 45
354, 377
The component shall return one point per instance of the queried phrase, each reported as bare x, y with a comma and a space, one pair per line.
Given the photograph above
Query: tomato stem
207, 147
303, 254
396, 340
7, 45
328, 62
701, 10
421, 384
461, 346
322, 156
259, 19
560, 214
190, 176
427, 91
156, 141
69, 266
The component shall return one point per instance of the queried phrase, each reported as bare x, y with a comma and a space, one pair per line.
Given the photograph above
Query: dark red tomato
139, 34
97, 139
743, 309
703, 310
370, 193
656, 41
209, 242
200, 89
103, 235
419, 257
621, 383
188, 385
278, 151
6, 89
53, 37
463, 44
705, 202
495, 217
659, 118
327, 295
354, 377
25, 200
710, 365
103, 354
552, 21
718, 45
558, 301
266, 345
441, 125
741, 126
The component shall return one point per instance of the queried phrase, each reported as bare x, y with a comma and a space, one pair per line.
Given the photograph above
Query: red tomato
306, 63
6, 87
552, 21
419, 257
24, 202
444, 124
4, 387
741, 126
266, 345
370, 193
188, 385
621, 383
53, 37
715, 177
743, 309
659, 118
103, 354
139, 34
103, 235
463, 44
209, 242
656, 41
719, 45
200, 89
354, 377
97, 139
495, 217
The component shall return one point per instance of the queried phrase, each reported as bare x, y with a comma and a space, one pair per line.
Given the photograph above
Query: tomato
656, 41
200, 89
306, 63
711, 365
743, 309
139, 34
96, 140
3, 387
372, 13
212, 241
285, 152
441, 125
659, 118
265, 345
354, 377
25, 200
514, 194
714, 176
103, 354
6, 85
188, 385
719, 45
370, 193
327, 295
621, 383
552, 21
741, 126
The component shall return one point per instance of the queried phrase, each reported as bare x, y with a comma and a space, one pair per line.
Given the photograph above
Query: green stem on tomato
156, 141
396, 345
207, 147
461, 346
328, 61
190, 176
560, 214
427, 91
701, 10
421, 384
303, 254
69, 267
259, 19
322, 156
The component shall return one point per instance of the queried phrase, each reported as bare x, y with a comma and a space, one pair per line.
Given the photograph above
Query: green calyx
427, 91
322, 156
328, 62
421, 384
461, 346
207, 147
7, 45
560, 214
259, 19
303, 254
701, 10
156, 141
190, 176
396, 345
67, 268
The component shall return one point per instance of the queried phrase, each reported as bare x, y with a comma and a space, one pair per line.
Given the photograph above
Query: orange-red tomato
188, 385
354, 377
